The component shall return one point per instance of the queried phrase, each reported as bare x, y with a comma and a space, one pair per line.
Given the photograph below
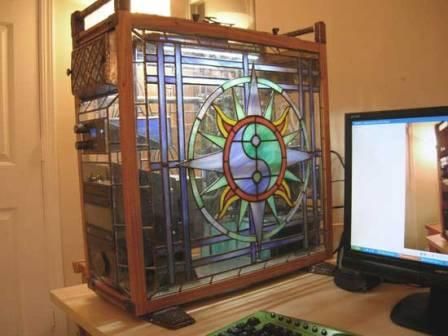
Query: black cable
341, 160
341, 241
339, 180
339, 156
338, 249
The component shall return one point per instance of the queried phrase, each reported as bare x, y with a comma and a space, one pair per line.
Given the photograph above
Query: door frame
49, 158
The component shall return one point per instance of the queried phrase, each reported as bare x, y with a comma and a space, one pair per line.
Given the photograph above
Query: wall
72, 242
382, 54
65, 119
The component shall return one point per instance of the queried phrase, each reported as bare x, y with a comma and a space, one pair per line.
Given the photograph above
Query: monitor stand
424, 312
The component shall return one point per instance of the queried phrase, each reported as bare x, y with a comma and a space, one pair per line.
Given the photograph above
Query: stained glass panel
231, 141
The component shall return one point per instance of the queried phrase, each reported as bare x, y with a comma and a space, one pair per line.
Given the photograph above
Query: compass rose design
252, 159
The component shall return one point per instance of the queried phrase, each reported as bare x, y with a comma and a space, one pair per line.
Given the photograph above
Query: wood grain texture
131, 192
307, 296
188, 27
243, 281
326, 146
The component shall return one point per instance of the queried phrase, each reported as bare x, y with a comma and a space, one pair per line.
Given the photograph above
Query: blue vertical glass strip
182, 169
164, 160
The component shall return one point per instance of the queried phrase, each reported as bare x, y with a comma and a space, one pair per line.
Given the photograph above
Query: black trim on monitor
390, 268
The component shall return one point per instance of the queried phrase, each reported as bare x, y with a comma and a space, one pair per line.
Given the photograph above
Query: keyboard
265, 323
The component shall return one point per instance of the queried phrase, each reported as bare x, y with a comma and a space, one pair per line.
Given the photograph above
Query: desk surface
307, 296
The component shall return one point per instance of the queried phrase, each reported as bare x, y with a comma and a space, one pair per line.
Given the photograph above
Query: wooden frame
122, 22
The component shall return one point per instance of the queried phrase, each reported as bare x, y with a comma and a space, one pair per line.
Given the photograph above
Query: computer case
204, 155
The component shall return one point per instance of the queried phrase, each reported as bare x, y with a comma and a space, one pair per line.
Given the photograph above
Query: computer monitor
394, 190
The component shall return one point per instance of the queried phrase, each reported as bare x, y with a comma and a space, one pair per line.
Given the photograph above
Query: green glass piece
227, 245
265, 133
290, 176
270, 153
272, 181
235, 82
268, 114
290, 137
195, 190
250, 150
248, 135
271, 202
219, 183
193, 134
243, 209
217, 140
270, 84
249, 132
237, 106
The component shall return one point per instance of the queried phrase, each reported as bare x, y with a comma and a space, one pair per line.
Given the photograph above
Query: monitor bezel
397, 269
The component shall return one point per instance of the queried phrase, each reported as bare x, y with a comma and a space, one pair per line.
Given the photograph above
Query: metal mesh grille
93, 68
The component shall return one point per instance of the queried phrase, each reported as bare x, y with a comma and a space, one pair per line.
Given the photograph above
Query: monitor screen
395, 187
396, 202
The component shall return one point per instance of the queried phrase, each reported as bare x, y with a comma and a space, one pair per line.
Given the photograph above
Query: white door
25, 277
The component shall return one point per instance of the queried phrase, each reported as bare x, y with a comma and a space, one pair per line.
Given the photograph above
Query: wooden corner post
131, 191
320, 37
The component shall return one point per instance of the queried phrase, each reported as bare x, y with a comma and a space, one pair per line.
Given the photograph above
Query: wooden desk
307, 296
